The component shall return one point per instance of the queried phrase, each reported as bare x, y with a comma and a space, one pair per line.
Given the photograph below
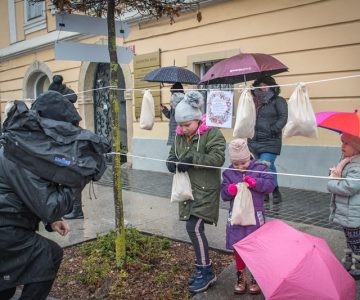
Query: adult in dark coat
271, 117
27, 258
58, 86
177, 94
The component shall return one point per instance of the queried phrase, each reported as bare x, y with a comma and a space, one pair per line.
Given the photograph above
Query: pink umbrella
290, 264
243, 67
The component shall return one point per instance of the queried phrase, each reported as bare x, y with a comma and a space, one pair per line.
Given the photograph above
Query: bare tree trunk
115, 127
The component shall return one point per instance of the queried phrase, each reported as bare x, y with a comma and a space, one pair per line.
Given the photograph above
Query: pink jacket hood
201, 130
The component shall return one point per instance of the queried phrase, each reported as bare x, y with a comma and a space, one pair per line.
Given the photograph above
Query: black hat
58, 79
53, 105
177, 88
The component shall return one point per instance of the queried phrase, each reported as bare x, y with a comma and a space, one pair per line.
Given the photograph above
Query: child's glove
232, 189
250, 181
171, 165
183, 167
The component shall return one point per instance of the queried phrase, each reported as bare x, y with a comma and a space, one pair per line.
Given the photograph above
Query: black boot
76, 212
276, 196
267, 198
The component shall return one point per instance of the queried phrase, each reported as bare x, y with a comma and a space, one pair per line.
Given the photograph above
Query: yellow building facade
316, 39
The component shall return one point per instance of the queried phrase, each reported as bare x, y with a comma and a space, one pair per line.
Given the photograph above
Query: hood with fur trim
201, 130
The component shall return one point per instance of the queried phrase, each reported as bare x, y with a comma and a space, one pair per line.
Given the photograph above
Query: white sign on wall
219, 108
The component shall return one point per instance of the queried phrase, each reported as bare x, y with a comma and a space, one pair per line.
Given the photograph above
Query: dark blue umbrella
172, 75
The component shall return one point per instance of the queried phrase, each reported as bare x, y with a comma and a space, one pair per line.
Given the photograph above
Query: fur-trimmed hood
201, 130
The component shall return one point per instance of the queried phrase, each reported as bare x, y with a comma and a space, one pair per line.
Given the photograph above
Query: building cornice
27, 46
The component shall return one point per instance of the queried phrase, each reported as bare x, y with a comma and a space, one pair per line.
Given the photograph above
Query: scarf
262, 97
337, 170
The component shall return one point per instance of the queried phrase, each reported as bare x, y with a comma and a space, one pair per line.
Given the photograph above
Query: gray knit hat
190, 107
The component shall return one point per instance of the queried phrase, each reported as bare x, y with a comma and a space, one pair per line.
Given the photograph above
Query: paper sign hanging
90, 52
219, 108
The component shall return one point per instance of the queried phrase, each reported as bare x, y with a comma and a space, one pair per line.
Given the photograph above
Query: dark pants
353, 239
38, 290
196, 231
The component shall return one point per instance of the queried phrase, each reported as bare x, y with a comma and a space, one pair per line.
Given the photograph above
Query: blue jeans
270, 157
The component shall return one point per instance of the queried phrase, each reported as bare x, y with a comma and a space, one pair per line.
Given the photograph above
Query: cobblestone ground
300, 206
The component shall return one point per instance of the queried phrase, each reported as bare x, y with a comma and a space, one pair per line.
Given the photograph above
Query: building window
34, 10
41, 84
203, 68
37, 84
34, 16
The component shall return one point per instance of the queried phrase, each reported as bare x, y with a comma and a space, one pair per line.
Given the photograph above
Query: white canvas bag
181, 187
245, 116
147, 114
301, 118
243, 212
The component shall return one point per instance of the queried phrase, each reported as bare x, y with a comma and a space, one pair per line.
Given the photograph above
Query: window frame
36, 23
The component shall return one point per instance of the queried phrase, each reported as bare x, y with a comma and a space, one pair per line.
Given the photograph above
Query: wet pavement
147, 207
307, 207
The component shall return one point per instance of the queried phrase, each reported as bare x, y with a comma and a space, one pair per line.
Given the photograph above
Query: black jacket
270, 120
25, 200
64, 90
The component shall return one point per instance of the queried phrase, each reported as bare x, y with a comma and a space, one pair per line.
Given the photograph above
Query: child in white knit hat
345, 200
259, 183
197, 145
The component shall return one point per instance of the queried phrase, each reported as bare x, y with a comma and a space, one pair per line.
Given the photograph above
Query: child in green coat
197, 145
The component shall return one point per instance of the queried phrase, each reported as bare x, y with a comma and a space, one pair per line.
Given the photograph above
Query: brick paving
299, 206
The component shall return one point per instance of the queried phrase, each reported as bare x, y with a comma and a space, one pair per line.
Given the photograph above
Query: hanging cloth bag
181, 187
301, 120
243, 212
245, 116
147, 114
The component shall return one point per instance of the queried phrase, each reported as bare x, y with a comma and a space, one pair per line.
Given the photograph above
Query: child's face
189, 128
241, 165
347, 150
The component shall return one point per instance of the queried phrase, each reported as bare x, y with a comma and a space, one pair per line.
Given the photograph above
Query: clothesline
203, 89
240, 170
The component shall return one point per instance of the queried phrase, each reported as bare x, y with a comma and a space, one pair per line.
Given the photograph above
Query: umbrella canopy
341, 122
243, 67
172, 74
290, 264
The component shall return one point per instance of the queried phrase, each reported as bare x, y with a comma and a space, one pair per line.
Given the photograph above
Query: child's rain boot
347, 259
203, 280
194, 275
240, 285
355, 268
254, 287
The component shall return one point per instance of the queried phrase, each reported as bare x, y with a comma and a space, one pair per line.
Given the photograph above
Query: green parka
206, 147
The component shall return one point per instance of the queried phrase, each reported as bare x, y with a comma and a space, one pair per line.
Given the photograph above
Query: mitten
183, 167
171, 164
250, 181
232, 189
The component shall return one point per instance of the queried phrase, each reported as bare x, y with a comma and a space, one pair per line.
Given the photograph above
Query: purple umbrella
243, 67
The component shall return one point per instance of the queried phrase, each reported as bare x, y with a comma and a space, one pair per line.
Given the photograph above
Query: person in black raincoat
57, 85
27, 258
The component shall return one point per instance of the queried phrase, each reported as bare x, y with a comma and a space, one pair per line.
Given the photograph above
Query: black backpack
54, 150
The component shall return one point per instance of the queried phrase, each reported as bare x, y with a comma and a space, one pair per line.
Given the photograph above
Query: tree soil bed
156, 268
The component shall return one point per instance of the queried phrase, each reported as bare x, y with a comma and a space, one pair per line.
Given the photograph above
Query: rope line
203, 89
240, 170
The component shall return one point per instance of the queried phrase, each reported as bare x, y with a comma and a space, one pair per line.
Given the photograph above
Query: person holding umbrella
271, 117
177, 94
